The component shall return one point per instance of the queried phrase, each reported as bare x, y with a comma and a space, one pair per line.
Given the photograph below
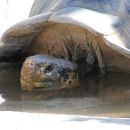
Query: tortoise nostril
31, 63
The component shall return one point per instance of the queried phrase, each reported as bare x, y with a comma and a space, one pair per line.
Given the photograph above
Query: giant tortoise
65, 40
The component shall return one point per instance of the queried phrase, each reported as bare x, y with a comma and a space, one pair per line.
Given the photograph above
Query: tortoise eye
48, 68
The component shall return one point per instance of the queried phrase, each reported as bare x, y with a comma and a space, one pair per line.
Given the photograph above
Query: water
107, 95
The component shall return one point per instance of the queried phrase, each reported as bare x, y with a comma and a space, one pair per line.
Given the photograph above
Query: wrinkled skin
44, 71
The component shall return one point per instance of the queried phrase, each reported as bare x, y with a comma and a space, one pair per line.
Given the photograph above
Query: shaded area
102, 120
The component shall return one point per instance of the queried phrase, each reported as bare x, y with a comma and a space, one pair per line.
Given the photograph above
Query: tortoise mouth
29, 84
47, 84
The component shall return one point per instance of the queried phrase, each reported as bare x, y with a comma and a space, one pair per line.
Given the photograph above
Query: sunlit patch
117, 42
13, 11
32, 121
2, 100
100, 22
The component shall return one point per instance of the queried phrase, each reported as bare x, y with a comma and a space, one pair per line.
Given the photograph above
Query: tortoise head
44, 71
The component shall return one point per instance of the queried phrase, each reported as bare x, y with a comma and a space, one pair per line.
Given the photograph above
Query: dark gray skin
44, 71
